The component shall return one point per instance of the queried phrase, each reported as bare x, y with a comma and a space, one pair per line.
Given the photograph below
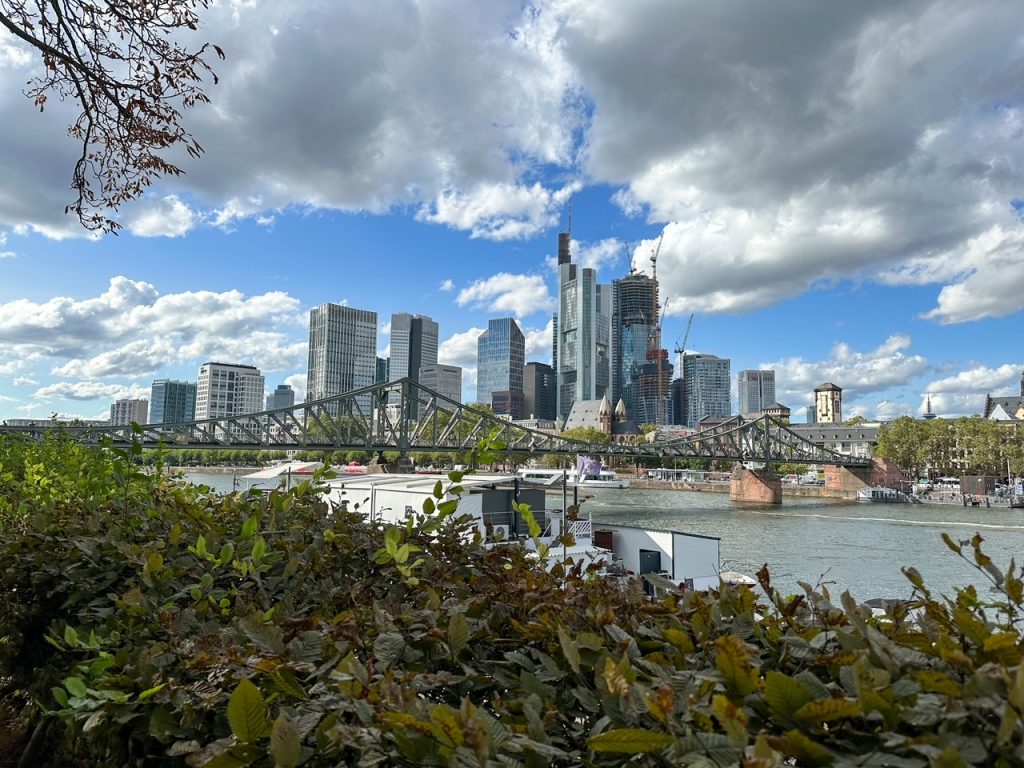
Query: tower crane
681, 348
654, 257
654, 350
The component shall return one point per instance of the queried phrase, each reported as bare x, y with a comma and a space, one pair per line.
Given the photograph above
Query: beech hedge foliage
144, 622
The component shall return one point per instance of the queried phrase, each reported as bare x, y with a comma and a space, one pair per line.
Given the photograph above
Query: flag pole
564, 480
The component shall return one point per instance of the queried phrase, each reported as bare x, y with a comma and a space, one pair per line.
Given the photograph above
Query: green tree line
952, 446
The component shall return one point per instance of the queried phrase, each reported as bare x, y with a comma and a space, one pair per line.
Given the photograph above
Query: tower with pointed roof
928, 408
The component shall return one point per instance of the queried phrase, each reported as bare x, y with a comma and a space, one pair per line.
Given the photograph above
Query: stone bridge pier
760, 486
849, 480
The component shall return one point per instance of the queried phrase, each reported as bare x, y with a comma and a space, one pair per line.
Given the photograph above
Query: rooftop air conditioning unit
500, 532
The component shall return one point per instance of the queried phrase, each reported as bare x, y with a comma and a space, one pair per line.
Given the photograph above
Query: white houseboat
682, 558
605, 478
879, 495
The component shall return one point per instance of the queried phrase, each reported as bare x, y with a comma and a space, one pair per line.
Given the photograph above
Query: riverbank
820, 492
805, 491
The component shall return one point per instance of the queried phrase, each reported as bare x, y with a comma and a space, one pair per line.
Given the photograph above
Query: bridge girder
379, 417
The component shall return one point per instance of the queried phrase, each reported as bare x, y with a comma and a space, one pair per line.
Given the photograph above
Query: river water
846, 545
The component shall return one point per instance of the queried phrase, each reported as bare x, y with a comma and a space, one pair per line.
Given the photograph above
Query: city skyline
839, 197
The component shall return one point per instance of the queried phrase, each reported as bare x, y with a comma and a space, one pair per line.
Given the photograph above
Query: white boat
553, 477
879, 495
618, 551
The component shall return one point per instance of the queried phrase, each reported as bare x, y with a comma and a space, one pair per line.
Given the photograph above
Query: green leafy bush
143, 622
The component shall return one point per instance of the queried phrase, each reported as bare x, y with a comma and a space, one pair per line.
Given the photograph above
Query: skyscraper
444, 379
228, 389
413, 346
342, 351
172, 401
124, 412
540, 391
501, 356
582, 332
641, 373
705, 393
282, 397
756, 391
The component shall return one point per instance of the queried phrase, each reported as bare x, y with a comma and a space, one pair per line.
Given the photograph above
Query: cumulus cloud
131, 330
538, 343
169, 217
499, 211
780, 147
517, 295
868, 141
23, 381
598, 255
447, 285
297, 381
980, 379
91, 390
858, 373
460, 349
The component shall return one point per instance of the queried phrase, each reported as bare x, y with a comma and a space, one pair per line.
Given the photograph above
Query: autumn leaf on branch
120, 61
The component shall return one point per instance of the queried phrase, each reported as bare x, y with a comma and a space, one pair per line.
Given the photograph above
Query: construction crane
629, 256
655, 353
654, 257
681, 348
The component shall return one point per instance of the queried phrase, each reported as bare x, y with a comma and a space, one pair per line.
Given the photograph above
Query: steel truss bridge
405, 416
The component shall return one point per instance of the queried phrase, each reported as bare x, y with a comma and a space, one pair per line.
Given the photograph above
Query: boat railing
582, 528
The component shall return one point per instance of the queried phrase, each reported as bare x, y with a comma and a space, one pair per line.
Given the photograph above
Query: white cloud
858, 373
598, 255
14, 56
886, 410
447, 285
538, 343
91, 390
517, 295
460, 349
168, 217
499, 211
297, 381
23, 381
131, 330
979, 380
780, 147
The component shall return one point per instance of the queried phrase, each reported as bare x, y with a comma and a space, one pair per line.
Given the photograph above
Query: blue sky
837, 185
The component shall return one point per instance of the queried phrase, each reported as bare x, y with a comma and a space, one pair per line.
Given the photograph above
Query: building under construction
641, 372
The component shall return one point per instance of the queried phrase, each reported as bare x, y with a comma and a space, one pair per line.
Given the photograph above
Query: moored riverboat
881, 495
604, 478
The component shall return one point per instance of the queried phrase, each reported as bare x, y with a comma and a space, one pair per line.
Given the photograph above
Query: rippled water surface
849, 545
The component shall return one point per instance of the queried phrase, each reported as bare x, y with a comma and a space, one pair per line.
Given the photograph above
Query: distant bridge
405, 416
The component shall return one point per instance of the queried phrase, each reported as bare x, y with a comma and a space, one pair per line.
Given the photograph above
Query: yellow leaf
733, 662
631, 741
247, 713
824, 710
445, 726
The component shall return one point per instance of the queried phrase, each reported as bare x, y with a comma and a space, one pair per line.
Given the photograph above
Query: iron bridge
405, 416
